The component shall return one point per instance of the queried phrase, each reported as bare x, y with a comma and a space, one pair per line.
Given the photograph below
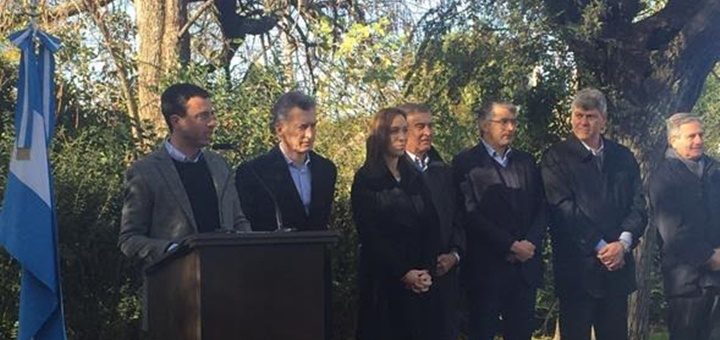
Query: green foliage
708, 107
476, 56
242, 106
98, 282
10, 277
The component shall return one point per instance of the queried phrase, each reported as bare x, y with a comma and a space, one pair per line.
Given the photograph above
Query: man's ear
481, 126
174, 119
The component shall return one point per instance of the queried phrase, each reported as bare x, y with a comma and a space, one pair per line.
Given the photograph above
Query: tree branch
658, 30
235, 25
69, 9
92, 7
194, 17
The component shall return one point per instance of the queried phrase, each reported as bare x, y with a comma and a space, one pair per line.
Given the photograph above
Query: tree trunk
160, 53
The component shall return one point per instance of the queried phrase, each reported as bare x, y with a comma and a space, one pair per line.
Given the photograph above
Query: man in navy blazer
505, 225
438, 179
597, 214
290, 186
684, 194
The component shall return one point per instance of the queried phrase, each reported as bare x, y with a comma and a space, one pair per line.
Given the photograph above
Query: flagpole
33, 16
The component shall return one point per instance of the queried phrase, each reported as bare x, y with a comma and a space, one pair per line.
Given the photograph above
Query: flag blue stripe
27, 220
24, 208
37, 306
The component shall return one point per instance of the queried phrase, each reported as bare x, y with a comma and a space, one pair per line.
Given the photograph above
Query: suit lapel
319, 182
218, 172
283, 186
488, 171
593, 182
169, 173
436, 186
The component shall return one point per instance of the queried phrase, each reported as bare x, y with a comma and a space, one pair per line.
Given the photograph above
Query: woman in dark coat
399, 235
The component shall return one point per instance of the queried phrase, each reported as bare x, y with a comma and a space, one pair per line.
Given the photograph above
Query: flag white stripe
20, 38
34, 173
46, 91
26, 105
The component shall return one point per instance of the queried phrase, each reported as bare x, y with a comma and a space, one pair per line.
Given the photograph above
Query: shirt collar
177, 155
414, 157
494, 153
290, 162
595, 152
696, 166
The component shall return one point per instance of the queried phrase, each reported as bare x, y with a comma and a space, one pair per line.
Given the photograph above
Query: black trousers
694, 317
503, 294
581, 311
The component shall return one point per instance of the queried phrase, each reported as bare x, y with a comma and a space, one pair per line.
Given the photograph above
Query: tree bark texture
649, 69
160, 52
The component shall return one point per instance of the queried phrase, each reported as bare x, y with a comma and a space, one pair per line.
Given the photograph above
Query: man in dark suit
505, 224
597, 211
684, 194
290, 186
437, 178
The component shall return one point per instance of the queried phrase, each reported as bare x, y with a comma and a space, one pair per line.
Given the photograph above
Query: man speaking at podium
181, 188
290, 186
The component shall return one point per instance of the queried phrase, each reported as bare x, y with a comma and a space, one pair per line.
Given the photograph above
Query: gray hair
677, 120
412, 108
287, 102
485, 112
590, 99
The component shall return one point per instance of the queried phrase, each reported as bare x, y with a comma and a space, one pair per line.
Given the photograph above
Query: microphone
278, 215
224, 146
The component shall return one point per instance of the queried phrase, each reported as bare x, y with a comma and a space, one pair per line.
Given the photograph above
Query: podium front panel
263, 293
258, 286
174, 300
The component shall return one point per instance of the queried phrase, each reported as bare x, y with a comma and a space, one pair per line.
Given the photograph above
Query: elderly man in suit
438, 179
290, 186
181, 188
597, 212
684, 194
505, 223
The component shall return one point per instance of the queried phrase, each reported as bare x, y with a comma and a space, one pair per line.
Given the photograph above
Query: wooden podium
243, 286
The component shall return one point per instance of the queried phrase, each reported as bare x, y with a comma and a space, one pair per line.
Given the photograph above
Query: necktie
598, 161
420, 163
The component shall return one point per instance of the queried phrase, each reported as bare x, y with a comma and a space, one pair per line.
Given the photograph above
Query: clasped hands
417, 280
420, 280
521, 251
612, 256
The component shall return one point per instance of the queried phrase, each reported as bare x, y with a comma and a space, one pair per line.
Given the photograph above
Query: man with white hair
684, 193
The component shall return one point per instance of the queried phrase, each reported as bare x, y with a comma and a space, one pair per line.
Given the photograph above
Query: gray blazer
156, 210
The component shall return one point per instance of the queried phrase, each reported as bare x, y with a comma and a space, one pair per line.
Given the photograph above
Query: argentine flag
27, 218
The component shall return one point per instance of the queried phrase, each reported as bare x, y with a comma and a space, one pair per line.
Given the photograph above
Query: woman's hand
419, 281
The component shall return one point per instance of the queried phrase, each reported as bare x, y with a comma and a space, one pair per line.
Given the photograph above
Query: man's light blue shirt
302, 179
178, 155
500, 159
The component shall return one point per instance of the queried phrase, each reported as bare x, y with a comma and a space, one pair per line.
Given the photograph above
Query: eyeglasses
505, 121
